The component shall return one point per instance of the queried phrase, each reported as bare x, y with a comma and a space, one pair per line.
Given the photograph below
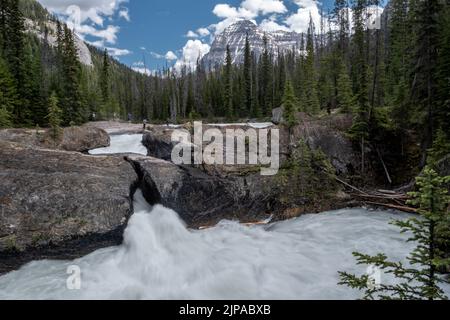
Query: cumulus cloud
248, 10
170, 55
116, 52
94, 10
203, 32
264, 6
87, 18
124, 13
191, 34
299, 21
192, 51
271, 25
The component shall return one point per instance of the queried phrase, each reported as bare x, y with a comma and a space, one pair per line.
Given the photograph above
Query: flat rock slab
51, 201
79, 139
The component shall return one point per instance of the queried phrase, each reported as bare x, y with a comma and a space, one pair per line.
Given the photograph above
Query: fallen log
392, 206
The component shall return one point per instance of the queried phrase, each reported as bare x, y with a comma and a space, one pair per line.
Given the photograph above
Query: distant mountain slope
235, 36
43, 24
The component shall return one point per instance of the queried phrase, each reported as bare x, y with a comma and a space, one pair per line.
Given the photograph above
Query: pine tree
424, 87
71, 101
54, 118
312, 98
266, 80
361, 126
443, 71
440, 149
190, 100
15, 56
8, 97
290, 105
431, 232
105, 83
345, 98
248, 76
229, 85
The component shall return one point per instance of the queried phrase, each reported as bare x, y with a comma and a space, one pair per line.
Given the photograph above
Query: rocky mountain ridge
235, 35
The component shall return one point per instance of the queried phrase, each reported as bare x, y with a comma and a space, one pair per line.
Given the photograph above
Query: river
162, 259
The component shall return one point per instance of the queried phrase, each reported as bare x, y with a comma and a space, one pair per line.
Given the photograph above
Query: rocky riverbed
63, 204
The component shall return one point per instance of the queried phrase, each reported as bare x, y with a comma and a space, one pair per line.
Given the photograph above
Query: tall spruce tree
312, 98
8, 97
72, 105
424, 87
345, 98
290, 105
361, 127
266, 80
229, 85
54, 118
105, 86
248, 76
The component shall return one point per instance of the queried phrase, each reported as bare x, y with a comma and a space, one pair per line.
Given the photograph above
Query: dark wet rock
57, 204
159, 144
197, 197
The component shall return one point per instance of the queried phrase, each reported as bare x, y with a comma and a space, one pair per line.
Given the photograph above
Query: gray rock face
159, 144
79, 139
57, 204
83, 139
320, 135
199, 198
235, 35
277, 115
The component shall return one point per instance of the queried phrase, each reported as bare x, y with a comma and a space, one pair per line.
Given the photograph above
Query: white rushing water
131, 143
162, 259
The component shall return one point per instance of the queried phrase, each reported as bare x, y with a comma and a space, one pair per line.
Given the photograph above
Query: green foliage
290, 105
8, 97
420, 279
54, 118
345, 97
5, 117
229, 85
306, 172
440, 149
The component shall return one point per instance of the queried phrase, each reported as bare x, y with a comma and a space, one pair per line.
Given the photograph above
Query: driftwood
383, 198
392, 206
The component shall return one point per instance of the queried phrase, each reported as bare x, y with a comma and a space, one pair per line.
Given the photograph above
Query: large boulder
277, 115
79, 139
159, 143
83, 139
57, 204
200, 198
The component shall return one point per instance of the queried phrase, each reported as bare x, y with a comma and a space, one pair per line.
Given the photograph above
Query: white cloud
192, 51
116, 52
203, 32
143, 70
87, 17
264, 6
156, 55
170, 55
94, 10
271, 25
191, 34
248, 10
299, 21
124, 13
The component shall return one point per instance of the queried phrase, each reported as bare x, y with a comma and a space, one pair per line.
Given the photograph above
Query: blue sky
166, 32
